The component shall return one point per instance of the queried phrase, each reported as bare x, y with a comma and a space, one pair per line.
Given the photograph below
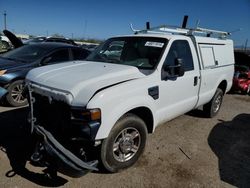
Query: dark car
15, 64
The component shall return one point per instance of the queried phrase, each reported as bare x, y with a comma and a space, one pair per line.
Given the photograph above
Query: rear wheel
15, 96
212, 108
125, 143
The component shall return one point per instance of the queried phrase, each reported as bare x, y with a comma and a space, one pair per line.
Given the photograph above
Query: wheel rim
17, 94
126, 144
217, 103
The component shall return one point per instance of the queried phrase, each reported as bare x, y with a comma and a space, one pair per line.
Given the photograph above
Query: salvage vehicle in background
50, 39
110, 102
15, 64
241, 79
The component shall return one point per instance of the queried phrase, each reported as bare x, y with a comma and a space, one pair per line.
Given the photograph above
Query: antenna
197, 23
236, 30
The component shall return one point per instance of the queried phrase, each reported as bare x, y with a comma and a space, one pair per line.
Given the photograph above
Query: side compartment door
179, 94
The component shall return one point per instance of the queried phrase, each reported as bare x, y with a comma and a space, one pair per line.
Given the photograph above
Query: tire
15, 95
212, 108
125, 143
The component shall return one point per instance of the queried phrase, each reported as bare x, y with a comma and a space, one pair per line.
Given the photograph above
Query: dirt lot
190, 151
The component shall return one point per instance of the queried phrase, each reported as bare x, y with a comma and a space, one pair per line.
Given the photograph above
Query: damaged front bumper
56, 156
53, 154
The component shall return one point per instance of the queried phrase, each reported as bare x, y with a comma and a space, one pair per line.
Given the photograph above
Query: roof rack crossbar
179, 30
212, 31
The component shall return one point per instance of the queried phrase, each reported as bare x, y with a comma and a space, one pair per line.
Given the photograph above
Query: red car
241, 80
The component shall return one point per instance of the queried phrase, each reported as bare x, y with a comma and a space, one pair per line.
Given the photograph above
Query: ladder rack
184, 31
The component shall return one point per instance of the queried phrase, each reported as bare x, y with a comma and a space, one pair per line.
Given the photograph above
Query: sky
103, 19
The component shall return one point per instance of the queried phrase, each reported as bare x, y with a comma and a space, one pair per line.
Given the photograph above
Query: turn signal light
93, 114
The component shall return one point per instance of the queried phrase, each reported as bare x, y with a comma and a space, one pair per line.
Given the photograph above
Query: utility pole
5, 25
246, 45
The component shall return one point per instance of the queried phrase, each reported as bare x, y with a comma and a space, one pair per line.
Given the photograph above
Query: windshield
27, 53
141, 52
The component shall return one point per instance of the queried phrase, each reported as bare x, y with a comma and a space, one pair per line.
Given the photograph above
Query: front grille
53, 115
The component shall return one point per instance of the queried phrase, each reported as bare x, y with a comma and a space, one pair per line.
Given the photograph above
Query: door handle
195, 80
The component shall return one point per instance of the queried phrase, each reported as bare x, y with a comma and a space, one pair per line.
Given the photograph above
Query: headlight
2, 72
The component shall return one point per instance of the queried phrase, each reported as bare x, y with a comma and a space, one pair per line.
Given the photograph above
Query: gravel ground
189, 151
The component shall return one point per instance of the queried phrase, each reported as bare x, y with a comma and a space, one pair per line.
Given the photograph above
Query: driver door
179, 94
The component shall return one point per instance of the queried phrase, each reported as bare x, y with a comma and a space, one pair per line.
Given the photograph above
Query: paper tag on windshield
154, 44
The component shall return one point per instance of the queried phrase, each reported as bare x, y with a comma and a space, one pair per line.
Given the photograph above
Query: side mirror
179, 70
46, 60
173, 71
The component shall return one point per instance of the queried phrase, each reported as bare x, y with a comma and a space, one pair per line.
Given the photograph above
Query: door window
59, 56
79, 54
180, 49
207, 54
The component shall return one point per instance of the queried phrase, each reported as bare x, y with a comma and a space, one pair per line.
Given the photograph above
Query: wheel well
223, 86
146, 115
13, 80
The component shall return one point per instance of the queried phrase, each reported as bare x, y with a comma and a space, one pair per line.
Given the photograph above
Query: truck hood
82, 79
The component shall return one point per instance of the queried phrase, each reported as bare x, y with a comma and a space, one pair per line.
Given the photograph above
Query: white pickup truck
122, 92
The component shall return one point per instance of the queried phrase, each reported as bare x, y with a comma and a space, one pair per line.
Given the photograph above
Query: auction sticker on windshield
154, 44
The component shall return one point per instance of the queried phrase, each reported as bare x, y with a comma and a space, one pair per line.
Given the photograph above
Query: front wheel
212, 108
125, 143
15, 96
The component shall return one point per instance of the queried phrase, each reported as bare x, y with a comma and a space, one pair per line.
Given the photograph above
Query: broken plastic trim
31, 101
